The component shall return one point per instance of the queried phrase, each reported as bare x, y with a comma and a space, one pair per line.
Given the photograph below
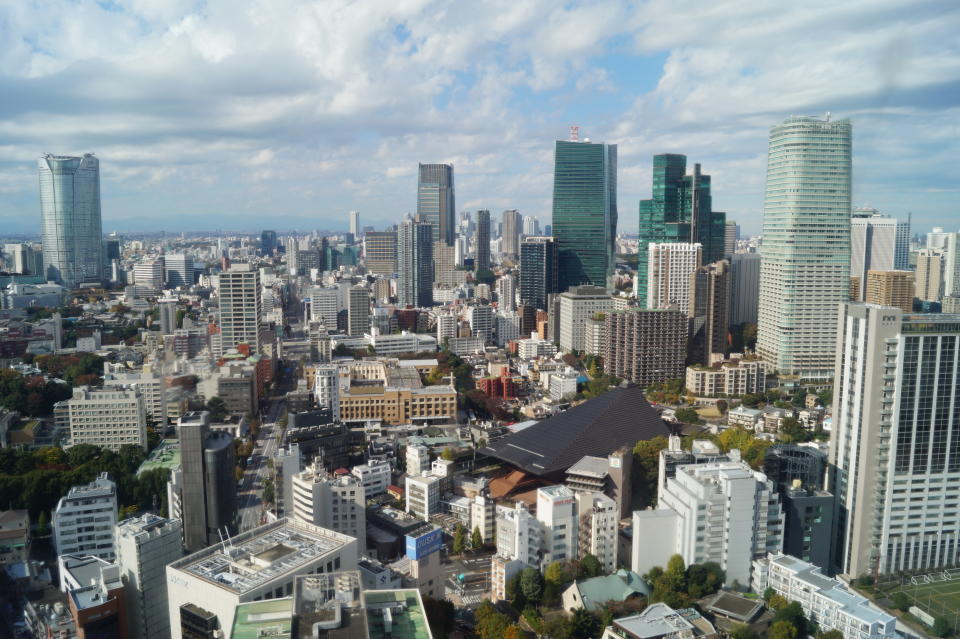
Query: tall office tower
890, 288
731, 233
877, 243
510, 237
577, 305
20, 258
951, 266
145, 545
507, 292
148, 275
415, 263
557, 514
241, 308
531, 226
168, 314
669, 269
178, 270
930, 275
358, 310
112, 247
538, 270
584, 212
805, 264
355, 223
435, 201
645, 345
744, 288
380, 252
680, 210
109, 418
709, 311
207, 496
326, 389
268, 242
333, 502
70, 219
482, 259
83, 521
896, 440
937, 238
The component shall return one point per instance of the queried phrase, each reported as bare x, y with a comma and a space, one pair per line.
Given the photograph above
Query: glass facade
70, 219
435, 201
584, 212
538, 271
415, 264
805, 263
680, 210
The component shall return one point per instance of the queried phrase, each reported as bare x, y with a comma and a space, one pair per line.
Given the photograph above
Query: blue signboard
422, 545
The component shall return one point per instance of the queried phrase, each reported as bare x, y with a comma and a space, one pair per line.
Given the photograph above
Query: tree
341, 350
688, 416
646, 469
476, 539
217, 408
589, 567
769, 592
676, 573
514, 592
901, 601
704, 579
743, 631
559, 628
830, 634
782, 630
513, 631
941, 627
43, 524
447, 454
793, 614
585, 625
556, 573
440, 615
777, 602
722, 406
531, 583
269, 493
459, 539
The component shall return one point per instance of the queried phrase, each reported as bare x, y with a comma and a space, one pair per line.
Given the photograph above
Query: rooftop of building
659, 619
734, 606
102, 486
258, 556
395, 614
144, 525
620, 586
590, 466
268, 618
165, 455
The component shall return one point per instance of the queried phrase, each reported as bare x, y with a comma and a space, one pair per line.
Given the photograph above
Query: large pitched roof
620, 417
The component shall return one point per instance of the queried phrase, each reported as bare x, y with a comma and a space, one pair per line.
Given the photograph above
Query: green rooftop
165, 455
268, 618
410, 624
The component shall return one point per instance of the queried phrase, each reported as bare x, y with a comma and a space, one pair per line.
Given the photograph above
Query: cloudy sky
286, 114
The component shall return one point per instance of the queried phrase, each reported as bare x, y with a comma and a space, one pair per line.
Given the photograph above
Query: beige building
929, 274
107, 418
890, 288
733, 376
378, 391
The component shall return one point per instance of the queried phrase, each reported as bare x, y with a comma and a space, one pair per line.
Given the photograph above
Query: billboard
421, 545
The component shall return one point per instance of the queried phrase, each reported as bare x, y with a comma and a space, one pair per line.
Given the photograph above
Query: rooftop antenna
574, 133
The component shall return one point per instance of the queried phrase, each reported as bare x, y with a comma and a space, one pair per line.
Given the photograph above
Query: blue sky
287, 114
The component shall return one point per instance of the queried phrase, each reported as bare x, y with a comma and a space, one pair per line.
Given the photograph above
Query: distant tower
355, 223
482, 261
415, 264
510, 238
70, 219
240, 308
435, 201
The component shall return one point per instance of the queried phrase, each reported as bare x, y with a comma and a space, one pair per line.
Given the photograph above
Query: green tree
447, 454
441, 615
688, 416
646, 469
459, 539
589, 567
217, 408
704, 579
901, 601
830, 634
676, 573
559, 627
782, 630
476, 539
585, 625
743, 631
43, 524
793, 614
941, 627
269, 493
777, 602
556, 573
515, 593
531, 583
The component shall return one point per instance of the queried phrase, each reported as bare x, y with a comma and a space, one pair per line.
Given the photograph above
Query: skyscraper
877, 243
584, 212
380, 252
435, 201
680, 210
538, 270
358, 310
930, 274
510, 238
241, 308
482, 261
355, 223
896, 440
415, 263
670, 267
805, 263
709, 311
268, 242
70, 218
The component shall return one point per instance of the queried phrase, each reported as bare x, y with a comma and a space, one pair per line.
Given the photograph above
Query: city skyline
232, 139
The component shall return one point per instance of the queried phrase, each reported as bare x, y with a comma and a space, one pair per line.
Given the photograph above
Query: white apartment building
562, 384
148, 275
557, 514
717, 511
240, 308
326, 388
827, 602
508, 327
178, 270
324, 305
577, 306
418, 459
535, 347
446, 326
732, 377
518, 534
507, 292
84, 520
375, 476
598, 519
150, 384
481, 322
145, 546
668, 273
108, 418
423, 495
334, 502
259, 564
286, 463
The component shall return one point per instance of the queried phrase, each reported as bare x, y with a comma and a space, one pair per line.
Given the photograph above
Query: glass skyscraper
435, 201
584, 212
415, 264
482, 261
538, 271
679, 211
70, 219
805, 259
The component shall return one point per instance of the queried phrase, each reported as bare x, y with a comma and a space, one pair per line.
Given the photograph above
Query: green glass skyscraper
680, 210
584, 212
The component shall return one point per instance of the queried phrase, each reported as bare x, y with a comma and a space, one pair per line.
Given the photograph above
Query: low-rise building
107, 418
14, 536
374, 475
729, 377
593, 594
749, 418
660, 621
95, 596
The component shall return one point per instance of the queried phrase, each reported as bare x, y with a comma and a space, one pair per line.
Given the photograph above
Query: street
251, 487
475, 585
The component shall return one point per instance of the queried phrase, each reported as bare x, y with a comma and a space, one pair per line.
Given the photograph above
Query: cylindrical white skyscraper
70, 219
805, 256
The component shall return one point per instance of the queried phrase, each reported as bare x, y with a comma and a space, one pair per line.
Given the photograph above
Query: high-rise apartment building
645, 345
538, 270
481, 261
709, 311
507, 292
145, 545
110, 418
877, 243
937, 238
358, 310
584, 212
179, 269
510, 235
895, 442
951, 266
204, 495
380, 252
744, 288
70, 219
325, 305
680, 210
241, 308
436, 202
669, 269
577, 305
480, 319
326, 389
83, 521
597, 528
731, 233
518, 534
930, 275
334, 502
355, 223
805, 263
890, 288
415, 264
557, 514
